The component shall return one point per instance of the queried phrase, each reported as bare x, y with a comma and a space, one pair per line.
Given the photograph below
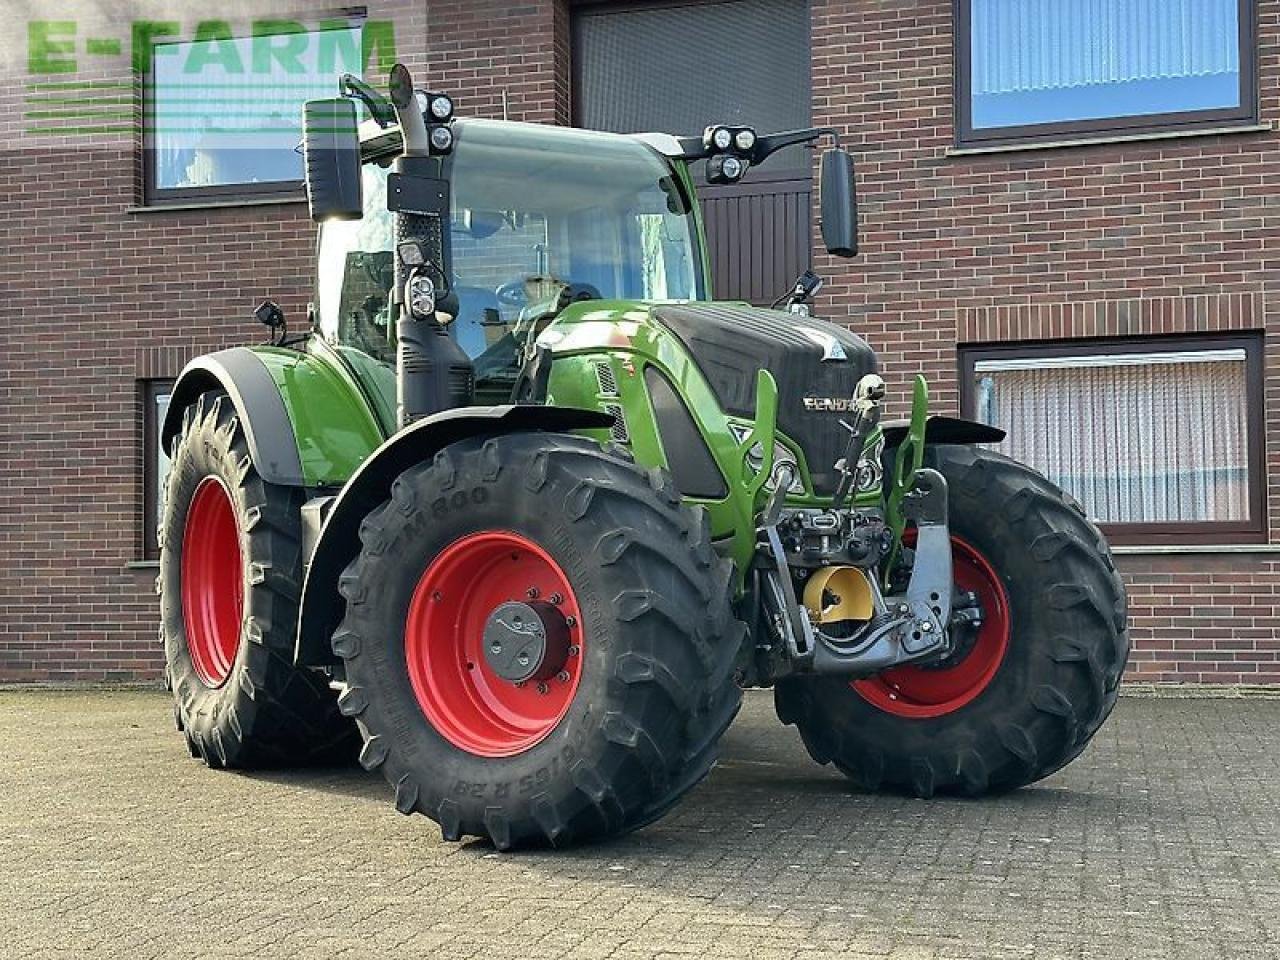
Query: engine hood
816, 365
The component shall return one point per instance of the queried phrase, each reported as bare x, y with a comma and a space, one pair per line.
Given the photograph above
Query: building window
155, 462
1048, 69
223, 115
1160, 440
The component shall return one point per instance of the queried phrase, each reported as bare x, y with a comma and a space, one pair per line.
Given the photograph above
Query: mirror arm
380, 108
695, 148
776, 141
413, 127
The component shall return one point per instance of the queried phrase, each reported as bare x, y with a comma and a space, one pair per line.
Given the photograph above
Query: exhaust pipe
432, 372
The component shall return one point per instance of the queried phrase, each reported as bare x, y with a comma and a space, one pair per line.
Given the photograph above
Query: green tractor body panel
603, 352
311, 417
378, 383
335, 417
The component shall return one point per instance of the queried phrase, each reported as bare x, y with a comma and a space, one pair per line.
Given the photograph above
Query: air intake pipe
432, 371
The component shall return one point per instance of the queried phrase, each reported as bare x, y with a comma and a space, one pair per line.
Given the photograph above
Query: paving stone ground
1163, 840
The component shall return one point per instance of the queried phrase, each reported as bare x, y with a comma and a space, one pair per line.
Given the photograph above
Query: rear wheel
230, 570
538, 640
1021, 695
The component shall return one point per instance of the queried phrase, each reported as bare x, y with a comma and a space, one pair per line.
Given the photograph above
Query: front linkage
846, 624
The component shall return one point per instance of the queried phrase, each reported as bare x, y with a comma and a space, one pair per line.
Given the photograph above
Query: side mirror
839, 204
331, 149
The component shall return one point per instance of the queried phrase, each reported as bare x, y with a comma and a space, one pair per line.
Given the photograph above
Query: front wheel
1020, 696
538, 640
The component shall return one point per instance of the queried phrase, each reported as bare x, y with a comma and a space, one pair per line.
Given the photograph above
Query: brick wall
1166, 236
99, 296
1087, 241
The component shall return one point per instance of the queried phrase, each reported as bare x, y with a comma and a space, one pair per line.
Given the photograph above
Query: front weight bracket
914, 625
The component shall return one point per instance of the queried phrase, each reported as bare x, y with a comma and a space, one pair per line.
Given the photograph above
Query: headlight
441, 138
745, 140
732, 168
422, 296
870, 474
722, 138
441, 107
755, 458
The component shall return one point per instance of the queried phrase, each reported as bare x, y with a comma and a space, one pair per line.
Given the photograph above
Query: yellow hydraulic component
838, 593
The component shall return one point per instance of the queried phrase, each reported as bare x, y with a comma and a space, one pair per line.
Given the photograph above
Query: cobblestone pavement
1163, 840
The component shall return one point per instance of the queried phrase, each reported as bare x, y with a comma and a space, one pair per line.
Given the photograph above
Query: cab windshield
540, 216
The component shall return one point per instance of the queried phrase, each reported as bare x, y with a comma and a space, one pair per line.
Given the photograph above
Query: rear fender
306, 420
339, 540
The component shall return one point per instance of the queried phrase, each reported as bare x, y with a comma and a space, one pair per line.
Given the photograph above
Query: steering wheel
512, 294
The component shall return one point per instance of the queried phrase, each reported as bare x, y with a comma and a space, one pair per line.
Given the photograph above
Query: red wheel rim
464, 699
212, 582
921, 693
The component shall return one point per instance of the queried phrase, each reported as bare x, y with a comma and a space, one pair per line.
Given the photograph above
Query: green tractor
523, 511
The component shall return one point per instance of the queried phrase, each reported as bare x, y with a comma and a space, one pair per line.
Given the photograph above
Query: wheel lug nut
574, 651
542, 687
563, 676
519, 683
532, 593
571, 621
556, 598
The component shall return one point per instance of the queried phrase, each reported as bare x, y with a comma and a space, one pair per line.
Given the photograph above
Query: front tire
230, 575
616, 719
1023, 697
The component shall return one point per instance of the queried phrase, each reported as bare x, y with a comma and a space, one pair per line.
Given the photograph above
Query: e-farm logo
215, 79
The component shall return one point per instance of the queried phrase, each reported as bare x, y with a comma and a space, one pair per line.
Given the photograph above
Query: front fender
943, 429
370, 486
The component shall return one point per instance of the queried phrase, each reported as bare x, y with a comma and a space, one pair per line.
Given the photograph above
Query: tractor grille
731, 344
619, 429
604, 376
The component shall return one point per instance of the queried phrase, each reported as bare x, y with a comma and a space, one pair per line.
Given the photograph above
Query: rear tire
230, 574
630, 721
1050, 685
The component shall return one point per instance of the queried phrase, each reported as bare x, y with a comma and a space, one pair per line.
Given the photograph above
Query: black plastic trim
940, 429
691, 463
267, 427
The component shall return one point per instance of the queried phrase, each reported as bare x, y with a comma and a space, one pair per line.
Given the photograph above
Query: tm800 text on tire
538, 640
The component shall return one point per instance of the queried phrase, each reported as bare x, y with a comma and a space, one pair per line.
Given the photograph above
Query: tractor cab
539, 217
448, 246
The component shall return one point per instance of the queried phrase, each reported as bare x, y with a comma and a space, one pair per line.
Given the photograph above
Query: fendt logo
828, 404
832, 349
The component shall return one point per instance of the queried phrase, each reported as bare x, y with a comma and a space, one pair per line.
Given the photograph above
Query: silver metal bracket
789, 618
914, 625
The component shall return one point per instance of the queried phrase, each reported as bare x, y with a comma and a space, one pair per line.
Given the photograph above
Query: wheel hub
212, 583
526, 641
926, 691
494, 643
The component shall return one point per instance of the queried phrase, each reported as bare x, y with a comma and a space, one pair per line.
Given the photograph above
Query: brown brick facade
1159, 236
